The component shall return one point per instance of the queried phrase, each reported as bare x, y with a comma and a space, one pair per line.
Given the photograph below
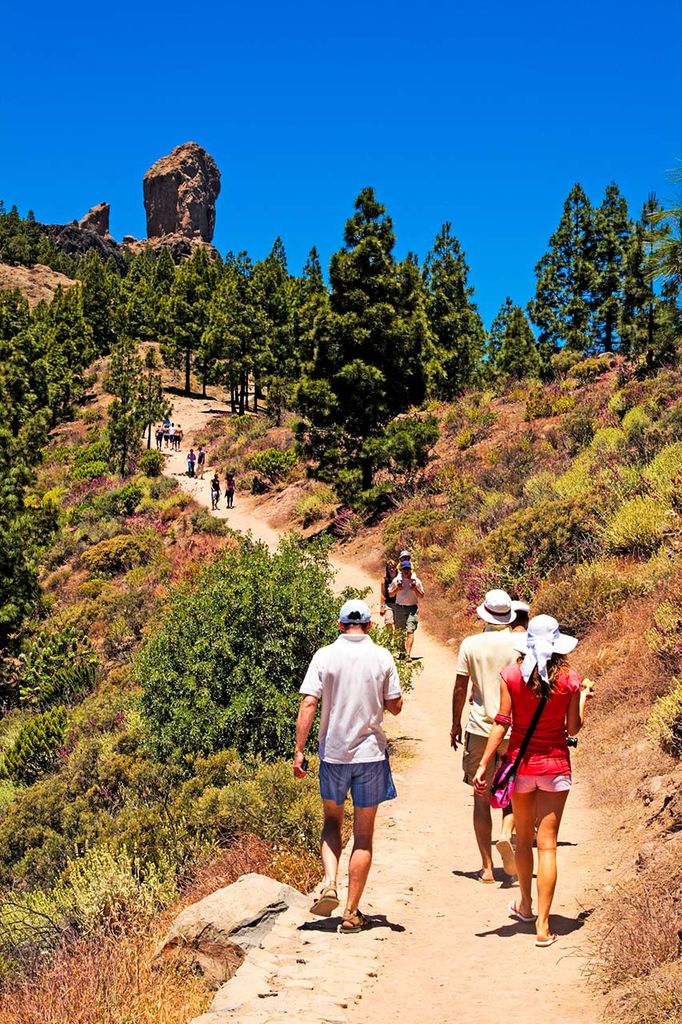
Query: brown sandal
353, 923
326, 902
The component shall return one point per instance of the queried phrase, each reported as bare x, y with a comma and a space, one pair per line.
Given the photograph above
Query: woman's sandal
353, 923
515, 912
326, 902
548, 941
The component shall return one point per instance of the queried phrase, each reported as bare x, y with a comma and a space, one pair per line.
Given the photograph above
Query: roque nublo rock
180, 191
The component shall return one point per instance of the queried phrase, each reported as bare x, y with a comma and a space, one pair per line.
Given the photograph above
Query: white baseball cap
355, 613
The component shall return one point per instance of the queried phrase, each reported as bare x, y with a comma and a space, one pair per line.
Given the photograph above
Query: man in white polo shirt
407, 591
357, 680
481, 658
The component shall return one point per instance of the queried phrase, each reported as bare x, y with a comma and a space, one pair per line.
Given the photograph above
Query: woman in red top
544, 775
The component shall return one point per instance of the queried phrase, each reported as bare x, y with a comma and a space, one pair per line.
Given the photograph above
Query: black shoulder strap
529, 733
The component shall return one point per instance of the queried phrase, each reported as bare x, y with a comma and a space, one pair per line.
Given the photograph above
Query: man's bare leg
409, 640
483, 829
330, 841
361, 857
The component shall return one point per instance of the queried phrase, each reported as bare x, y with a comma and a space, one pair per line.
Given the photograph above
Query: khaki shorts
406, 616
474, 747
388, 615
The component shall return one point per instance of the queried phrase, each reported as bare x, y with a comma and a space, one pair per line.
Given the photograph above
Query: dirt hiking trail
442, 948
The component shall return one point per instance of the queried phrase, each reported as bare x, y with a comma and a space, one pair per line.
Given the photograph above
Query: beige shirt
482, 657
402, 591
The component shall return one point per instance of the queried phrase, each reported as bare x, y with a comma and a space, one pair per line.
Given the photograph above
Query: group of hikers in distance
526, 703
169, 435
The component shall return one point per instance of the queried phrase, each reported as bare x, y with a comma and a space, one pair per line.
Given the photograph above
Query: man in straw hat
481, 658
357, 680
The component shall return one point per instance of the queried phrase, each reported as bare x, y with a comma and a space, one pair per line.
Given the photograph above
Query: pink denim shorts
547, 783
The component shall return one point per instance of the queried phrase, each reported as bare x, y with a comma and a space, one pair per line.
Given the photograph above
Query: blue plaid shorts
370, 782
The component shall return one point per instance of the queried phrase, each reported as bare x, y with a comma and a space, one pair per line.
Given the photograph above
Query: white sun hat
497, 608
543, 639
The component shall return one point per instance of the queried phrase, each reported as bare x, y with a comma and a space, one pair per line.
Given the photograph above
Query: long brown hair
556, 664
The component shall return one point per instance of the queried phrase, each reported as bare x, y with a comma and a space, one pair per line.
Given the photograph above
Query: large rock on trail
215, 933
97, 220
180, 191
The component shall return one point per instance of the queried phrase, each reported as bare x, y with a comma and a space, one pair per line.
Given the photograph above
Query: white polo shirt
353, 676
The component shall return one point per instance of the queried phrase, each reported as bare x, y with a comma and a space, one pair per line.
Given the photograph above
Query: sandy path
448, 950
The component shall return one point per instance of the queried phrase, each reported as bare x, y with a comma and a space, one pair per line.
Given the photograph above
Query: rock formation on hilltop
97, 220
180, 191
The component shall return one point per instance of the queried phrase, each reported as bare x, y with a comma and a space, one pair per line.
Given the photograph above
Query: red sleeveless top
547, 752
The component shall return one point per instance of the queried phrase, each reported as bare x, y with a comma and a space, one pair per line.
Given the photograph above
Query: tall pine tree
611, 237
564, 296
456, 327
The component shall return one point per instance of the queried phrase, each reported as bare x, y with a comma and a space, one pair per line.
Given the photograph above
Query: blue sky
484, 114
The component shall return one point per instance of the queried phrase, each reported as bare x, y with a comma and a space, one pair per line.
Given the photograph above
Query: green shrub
550, 533
579, 597
95, 451
35, 750
665, 721
538, 404
56, 666
637, 526
225, 667
90, 470
635, 422
161, 487
317, 504
664, 474
123, 552
608, 439
151, 462
590, 369
402, 528
273, 463
465, 438
204, 522
664, 638
128, 498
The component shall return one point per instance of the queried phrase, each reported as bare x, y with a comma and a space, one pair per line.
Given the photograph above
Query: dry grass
111, 978
107, 980
639, 942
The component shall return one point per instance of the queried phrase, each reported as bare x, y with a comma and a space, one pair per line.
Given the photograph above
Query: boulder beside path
215, 934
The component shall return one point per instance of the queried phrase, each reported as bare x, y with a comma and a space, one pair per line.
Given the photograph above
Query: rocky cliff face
97, 220
180, 191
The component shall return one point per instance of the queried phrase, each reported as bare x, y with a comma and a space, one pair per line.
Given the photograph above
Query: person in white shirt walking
357, 681
481, 658
408, 591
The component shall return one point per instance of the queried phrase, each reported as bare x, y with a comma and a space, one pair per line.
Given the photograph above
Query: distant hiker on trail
171, 436
230, 486
166, 432
357, 681
481, 658
178, 437
407, 590
191, 459
538, 683
201, 462
215, 491
159, 437
387, 602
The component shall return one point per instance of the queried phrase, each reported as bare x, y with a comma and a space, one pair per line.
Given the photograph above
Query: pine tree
126, 420
151, 403
310, 300
98, 294
456, 327
612, 230
498, 329
518, 354
562, 307
369, 344
188, 306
